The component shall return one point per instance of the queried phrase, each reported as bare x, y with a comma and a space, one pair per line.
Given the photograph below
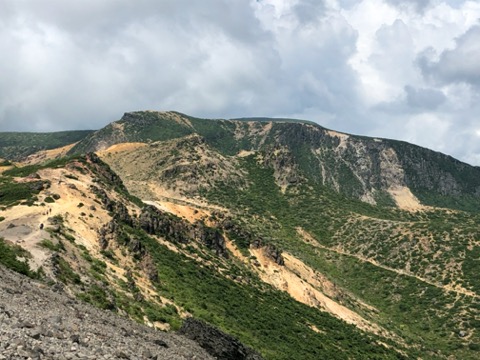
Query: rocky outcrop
176, 230
157, 222
33, 329
147, 264
270, 251
211, 238
285, 168
218, 344
103, 171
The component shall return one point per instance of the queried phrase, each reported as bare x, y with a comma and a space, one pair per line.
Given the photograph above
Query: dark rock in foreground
217, 343
37, 323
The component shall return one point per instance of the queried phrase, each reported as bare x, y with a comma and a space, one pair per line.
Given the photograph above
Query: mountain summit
371, 169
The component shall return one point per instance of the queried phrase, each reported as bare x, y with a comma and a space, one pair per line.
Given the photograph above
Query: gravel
37, 323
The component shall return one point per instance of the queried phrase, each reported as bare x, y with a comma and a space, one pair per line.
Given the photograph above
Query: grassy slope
434, 321
417, 311
16, 145
264, 318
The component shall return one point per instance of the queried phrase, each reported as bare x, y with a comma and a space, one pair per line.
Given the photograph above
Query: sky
402, 69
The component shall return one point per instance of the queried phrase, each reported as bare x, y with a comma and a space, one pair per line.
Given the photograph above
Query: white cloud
403, 69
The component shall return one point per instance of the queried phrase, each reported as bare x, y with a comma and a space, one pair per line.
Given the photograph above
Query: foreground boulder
220, 345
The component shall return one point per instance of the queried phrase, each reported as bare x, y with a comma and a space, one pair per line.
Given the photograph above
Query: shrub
48, 244
8, 257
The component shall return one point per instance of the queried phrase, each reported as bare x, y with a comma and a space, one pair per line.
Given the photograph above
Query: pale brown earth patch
341, 136
21, 226
182, 166
179, 119
317, 330
45, 155
245, 153
255, 129
25, 221
5, 167
405, 199
285, 279
73, 192
118, 148
186, 212
165, 195
234, 250
305, 236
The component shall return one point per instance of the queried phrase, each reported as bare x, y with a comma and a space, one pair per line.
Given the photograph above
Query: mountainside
300, 242
18, 145
79, 227
373, 170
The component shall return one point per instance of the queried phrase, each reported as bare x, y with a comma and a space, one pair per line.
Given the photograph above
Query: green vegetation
415, 271
30, 169
165, 314
15, 258
98, 297
12, 192
384, 234
65, 272
420, 313
315, 154
17, 145
48, 244
268, 320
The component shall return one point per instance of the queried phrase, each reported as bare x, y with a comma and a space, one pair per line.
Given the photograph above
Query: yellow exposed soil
45, 155
118, 148
25, 221
302, 283
405, 199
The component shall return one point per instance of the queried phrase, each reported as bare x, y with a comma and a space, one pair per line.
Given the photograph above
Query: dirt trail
312, 241
22, 223
22, 227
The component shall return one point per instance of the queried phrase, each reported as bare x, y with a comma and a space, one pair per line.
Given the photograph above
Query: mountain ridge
363, 248
348, 163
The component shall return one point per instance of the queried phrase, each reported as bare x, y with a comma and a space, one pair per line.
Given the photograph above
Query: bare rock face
176, 230
37, 323
218, 344
270, 250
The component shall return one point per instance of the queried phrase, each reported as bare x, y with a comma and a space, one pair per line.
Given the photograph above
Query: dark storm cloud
310, 10
418, 5
460, 64
424, 99
414, 100
78, 64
